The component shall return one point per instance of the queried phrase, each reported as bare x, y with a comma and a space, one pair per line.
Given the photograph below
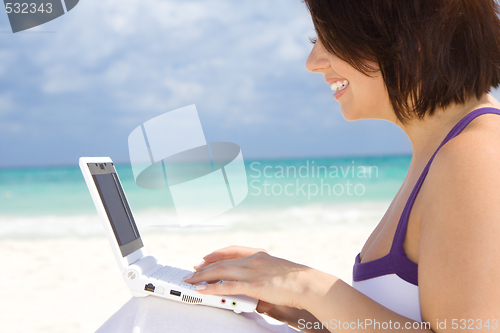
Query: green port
234, 303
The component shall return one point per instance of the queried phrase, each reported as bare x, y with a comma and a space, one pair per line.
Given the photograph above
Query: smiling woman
426, 66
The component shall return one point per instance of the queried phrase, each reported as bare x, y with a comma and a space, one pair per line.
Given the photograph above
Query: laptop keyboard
172, 275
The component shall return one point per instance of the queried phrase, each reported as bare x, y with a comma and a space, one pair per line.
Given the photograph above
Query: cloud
112, 64
154, 54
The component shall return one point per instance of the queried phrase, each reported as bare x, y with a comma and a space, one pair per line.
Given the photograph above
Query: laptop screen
117, 209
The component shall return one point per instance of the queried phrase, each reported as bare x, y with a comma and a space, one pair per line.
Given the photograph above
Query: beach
59, 273
73, 284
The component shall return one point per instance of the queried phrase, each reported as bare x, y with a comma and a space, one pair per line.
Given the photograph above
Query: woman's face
360, 96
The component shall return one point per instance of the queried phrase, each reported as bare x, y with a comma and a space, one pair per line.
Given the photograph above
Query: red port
223, 300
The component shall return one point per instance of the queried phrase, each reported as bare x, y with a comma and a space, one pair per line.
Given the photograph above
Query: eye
313, 40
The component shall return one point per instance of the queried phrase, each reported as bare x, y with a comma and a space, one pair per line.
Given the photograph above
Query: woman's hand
234, 252
259, 275
230, 252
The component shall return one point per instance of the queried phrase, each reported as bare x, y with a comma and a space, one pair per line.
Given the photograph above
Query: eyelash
313, 40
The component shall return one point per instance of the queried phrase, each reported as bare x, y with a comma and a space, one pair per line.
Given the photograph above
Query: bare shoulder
472, 155
459, 248
465, 173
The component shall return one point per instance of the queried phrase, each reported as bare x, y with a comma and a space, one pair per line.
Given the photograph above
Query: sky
78, 85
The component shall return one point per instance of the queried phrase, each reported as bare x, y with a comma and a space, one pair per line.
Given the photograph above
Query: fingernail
201, 263
187, 277
201, 286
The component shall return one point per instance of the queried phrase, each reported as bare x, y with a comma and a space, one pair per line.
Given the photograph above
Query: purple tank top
396, 261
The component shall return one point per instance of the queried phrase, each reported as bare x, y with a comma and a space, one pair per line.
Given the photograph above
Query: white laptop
142, 272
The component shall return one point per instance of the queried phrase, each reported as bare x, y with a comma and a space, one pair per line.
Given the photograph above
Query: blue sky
77, 86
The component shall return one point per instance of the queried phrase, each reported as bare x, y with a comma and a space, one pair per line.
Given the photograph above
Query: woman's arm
278, 281
459, 250
341, 307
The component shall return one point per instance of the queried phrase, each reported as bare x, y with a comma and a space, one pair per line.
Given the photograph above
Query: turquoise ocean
282, 194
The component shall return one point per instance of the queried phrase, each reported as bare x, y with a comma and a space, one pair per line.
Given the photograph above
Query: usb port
175, 292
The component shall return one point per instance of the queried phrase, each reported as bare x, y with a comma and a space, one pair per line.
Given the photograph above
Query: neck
427, 134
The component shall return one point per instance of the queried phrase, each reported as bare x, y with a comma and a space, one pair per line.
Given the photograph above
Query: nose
318, 61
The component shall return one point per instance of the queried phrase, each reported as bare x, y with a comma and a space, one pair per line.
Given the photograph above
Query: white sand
74, 285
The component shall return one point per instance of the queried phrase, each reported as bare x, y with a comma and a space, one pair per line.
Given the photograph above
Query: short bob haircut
430, 53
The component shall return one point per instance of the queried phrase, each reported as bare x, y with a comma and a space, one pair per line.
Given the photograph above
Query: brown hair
431, 53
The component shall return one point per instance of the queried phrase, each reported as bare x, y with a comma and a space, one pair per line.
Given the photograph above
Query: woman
426, 66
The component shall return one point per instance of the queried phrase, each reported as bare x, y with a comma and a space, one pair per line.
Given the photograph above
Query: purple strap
396, 261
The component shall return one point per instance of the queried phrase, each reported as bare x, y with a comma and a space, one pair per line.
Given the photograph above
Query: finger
218, 255
226, 270
263, 306
224, 288
230, 252
209, 275
201, 265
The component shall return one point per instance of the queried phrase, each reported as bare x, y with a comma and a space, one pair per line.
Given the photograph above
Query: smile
338, 86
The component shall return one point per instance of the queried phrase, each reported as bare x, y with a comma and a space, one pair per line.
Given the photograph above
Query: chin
353, 115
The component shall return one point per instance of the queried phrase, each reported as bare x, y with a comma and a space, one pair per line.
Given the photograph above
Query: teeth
338, 86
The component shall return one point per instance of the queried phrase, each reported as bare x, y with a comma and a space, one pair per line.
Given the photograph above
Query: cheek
369, 99
381, 95
341, 67
372, 89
